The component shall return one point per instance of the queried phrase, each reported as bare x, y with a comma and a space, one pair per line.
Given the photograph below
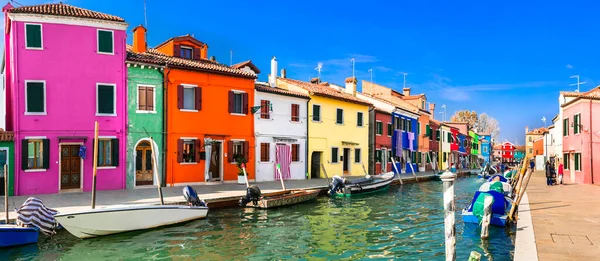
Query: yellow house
338, 133
444, 157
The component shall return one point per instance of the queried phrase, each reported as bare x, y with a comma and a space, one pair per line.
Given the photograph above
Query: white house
557, 136
549, 138
280, 127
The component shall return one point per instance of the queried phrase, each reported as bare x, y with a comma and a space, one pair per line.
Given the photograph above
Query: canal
404, 223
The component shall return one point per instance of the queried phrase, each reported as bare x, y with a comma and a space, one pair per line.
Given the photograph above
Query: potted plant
239, 160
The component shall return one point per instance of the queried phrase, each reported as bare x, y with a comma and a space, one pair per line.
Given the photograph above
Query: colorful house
208, 121
338, 135
145, 108
446, 140
53, 131
280, 126
475, 149
7, 156
486, 147
530, 136
434, 143
508, 152
519, 153
462, 151
497, 153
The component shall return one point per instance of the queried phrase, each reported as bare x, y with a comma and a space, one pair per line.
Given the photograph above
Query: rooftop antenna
353, 62
16, 2
444, 106
404, 86
230, 57
578, 82
371, 71
145, 18
544, 118
319, 68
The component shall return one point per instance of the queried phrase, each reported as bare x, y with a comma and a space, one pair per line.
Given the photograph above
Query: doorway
315, 164
346, 160
215, 161
3, 176
144, 168
70, 167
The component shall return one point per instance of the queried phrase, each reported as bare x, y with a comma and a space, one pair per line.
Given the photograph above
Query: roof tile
325, 90
276, 90
61, 9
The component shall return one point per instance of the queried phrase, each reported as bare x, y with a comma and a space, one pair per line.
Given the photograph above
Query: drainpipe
165, 125
306, 163
591, 151
125, 124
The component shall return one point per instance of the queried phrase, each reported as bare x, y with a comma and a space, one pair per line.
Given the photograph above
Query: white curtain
207, 158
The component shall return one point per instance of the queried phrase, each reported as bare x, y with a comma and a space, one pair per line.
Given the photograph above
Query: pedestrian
548, 173
532, 164
561, 171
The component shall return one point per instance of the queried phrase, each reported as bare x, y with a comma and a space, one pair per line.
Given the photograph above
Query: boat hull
285, 198
379, 184
107, 221
13, 235
496, 220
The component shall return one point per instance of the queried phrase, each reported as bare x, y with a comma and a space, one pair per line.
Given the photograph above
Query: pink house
65, 69
581, 137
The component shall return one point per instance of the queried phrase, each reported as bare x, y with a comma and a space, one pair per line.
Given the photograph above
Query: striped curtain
283, 156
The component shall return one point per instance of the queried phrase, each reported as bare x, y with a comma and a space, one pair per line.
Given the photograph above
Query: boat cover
502, 178
499, 205
34, 213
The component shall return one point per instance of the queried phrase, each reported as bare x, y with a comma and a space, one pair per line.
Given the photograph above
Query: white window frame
114, 99
336, 119
41, 36
188, 86
376, 128
242, 112
192, 139
337, 158
387, 129
312, 116
98, 41
137, 102
36, 138
577, 164
233, 148
359, 156
189, 48
111, 145
45, 98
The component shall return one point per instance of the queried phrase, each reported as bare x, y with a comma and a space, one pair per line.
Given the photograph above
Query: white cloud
569, 66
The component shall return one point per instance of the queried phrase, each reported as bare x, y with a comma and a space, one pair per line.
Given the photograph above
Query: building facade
519, 153
530, 136
475, 149
434, 144
445, 143
508, 152
7, 158
486, 147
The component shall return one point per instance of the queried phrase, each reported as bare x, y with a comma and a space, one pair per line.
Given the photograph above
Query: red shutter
179, 150
198, 144
246, 150
197, 54
198, 98
263, 109
180, 96
177, 50
230, 151
245, 103
230, 105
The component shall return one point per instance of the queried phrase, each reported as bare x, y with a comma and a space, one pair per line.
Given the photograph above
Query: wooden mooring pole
487, 216
520, 194
397, 171
450, 231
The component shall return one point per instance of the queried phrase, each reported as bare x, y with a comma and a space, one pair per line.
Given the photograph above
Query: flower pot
241, 180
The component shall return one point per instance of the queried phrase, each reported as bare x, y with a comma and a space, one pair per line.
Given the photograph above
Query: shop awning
350, 143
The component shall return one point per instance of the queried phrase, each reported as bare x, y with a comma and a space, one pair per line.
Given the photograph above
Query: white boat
106, 221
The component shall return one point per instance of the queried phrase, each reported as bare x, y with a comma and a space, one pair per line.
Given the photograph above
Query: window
35, 152
105, 99
389, 129
35, 97
189, 150
423, 105
186, 52
33, 36
189, 93
530, 150
450, 137
576, 123
377, 156
357, 158
427, 131
418, 128
238, 102
577, 161
565, 128
334, 155
265, 109
339, 116
265, 152
145, 98
378, 128
104, 153
237, 148
359, 119
444, 156
403, 124
189, 97
409, 126
295, 112
295, 152
397, 123
567, 161
437, 135
105, 41
316, 112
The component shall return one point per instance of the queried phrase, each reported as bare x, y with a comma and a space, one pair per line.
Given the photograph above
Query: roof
498, 147
275, 90
325, 91
520, 148
246, 63
186, 37
435, 121
570, 94
7, 135
410, 108
538, 131
413, 97
143, 57
593, 94
61, 9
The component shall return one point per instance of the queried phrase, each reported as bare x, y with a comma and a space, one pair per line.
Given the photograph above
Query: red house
508, 152
434, 141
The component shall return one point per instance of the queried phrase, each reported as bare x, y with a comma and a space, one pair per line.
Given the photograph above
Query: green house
7, 152
474, 147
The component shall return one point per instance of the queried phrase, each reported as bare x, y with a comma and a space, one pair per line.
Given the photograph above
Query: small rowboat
369, 184
14, 235
284, 198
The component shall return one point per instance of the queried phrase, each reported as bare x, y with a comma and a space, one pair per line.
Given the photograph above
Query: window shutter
198, 93
246, 150
197, 54
231, 101
180, 96
150, 99
263, 109
245, 103
115, 152
177, 50
24, 154
46, 156
142, 98
198, 146
179, 150
230, 151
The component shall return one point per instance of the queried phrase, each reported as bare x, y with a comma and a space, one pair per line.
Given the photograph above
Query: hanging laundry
411, 138
82, 151
398, 134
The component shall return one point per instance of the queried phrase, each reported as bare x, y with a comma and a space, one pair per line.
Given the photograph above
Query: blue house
462, 150
405, 139
486, 147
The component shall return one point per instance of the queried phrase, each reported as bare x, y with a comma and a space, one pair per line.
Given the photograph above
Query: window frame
109, 153
297, 145
566, 161
112, 32
193, 141
576, 124
114, 114
297, 117
45, 98
577, 161
566, 127
377, 124
41, 36
378, 156
181, 47
32, 168
312, 117
390, 129
263, 116
189, 86
337, 158
360, 115
235, 144
235, 94
137, 110
336, 116
268, 159
359, 156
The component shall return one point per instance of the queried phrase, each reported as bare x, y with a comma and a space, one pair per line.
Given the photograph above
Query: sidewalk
566, 219
77, 201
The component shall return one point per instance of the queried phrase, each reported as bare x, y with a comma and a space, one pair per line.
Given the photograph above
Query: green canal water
404, 223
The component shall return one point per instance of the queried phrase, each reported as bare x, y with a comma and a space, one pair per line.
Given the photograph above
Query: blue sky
508, 59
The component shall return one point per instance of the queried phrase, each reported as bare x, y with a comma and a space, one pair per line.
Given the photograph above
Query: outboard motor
337, 183
191, 196
253, 195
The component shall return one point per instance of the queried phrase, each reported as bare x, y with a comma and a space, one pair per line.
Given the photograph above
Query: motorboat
369, 184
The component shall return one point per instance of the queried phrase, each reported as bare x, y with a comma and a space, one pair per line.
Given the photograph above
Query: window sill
106, 115
263, 119
34, 48
105, 53
237, 114
35, 113
186, 110
187, 163
107, 167
145, 112
295, 122
35, 170
265, 162
317, 121
340, 124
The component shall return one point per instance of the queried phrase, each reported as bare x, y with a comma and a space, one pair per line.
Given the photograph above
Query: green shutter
389, 129
437, 135
418, 128
35, 97
106, 99
428, 130
34, 35
316, 113
105, 41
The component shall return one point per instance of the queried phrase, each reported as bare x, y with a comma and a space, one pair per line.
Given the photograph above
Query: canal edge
525, 247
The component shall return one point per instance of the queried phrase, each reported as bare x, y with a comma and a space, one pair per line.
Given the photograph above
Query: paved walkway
566, 219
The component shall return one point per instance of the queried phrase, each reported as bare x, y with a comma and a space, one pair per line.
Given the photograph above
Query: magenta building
65, 69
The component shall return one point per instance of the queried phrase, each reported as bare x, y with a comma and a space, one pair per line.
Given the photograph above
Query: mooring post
475, 256
448, 179
487, 216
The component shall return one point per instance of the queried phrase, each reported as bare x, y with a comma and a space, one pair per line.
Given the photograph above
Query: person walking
532, 165
561, 171
548, 173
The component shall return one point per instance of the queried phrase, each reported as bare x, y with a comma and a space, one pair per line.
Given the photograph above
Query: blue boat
13, 235
500, 208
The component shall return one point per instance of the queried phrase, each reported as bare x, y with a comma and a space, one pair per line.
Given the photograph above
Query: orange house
208, 123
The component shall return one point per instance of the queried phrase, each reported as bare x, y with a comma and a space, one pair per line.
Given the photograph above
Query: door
215, 161
70, 167
346, 160
315, 164
3, 161
144, 168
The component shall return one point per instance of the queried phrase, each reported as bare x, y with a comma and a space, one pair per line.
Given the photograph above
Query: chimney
526, 129
432, 109
406, 91
139, 39
204, 52
213, 58
273, 75
350, 85
315, 80
282, 73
